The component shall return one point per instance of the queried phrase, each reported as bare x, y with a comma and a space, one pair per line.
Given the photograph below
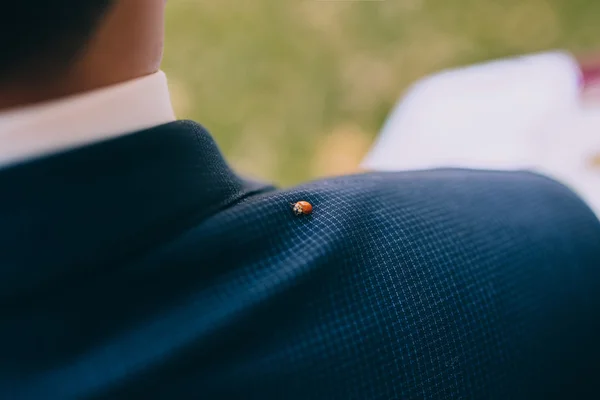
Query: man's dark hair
39, 36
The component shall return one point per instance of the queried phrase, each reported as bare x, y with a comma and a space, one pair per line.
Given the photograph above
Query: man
136, 264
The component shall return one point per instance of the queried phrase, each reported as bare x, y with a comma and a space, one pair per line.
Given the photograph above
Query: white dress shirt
30, 132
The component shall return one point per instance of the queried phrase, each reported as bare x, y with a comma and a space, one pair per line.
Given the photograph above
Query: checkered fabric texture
447, 284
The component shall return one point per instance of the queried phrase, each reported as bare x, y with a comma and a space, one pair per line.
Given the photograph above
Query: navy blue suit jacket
143, 267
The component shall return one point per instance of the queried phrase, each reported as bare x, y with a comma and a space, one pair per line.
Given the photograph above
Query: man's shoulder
389, 263
420, 208
463, 192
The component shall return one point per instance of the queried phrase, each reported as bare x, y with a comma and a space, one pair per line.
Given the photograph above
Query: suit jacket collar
112, 201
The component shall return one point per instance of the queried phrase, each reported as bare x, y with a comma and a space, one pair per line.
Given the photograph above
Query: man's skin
127, 45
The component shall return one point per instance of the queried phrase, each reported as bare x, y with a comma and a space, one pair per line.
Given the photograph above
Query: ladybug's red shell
302, 208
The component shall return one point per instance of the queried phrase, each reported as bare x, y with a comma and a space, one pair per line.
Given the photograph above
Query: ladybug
302, 208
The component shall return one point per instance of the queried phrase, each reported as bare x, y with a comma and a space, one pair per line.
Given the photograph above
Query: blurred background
298, 89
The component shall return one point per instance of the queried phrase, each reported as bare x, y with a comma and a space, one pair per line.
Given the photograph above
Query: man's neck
14, 98
23, 93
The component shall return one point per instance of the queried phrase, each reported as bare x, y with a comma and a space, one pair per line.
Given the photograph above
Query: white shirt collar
78, 120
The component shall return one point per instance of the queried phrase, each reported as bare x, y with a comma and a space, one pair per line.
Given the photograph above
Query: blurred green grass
297, 89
